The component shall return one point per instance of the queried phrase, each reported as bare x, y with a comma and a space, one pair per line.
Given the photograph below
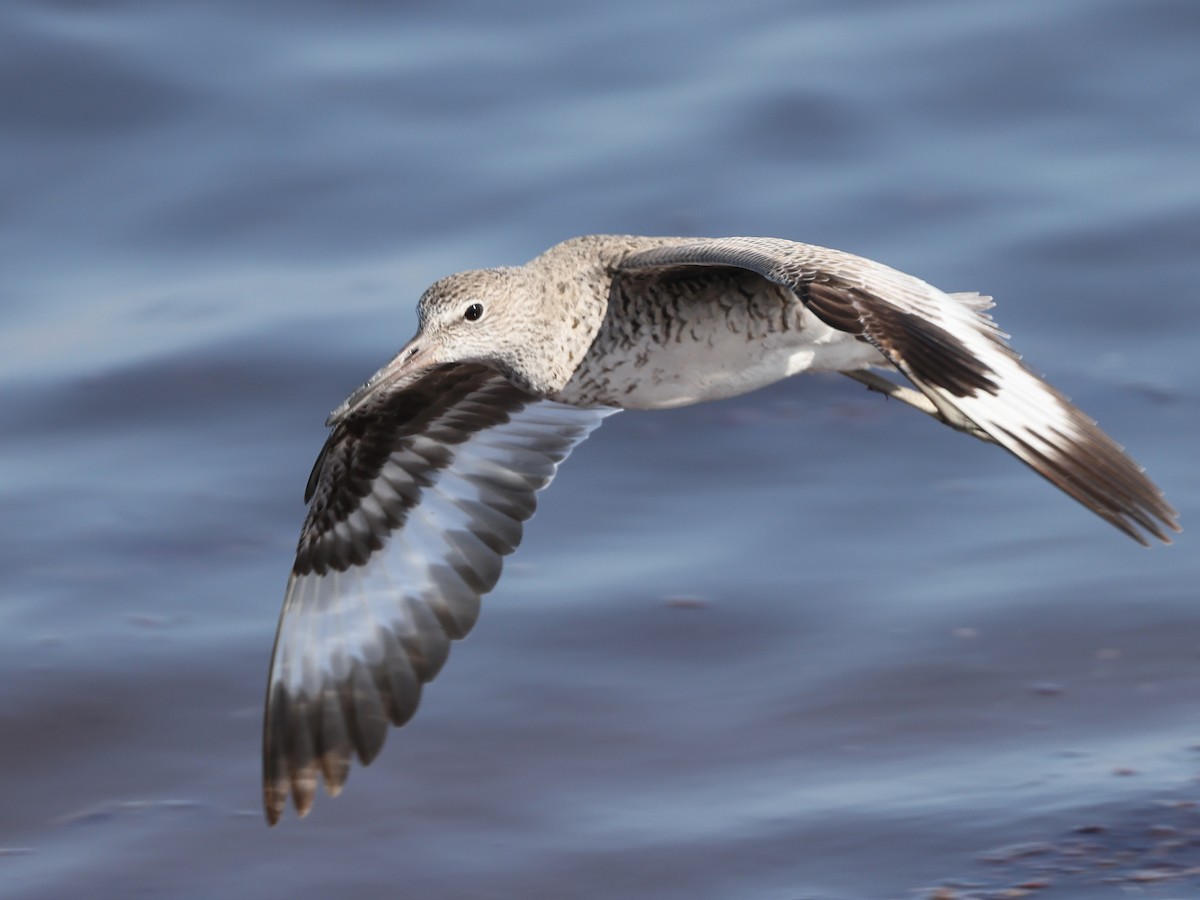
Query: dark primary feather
361, 444
953, 353
932, 353
415, 498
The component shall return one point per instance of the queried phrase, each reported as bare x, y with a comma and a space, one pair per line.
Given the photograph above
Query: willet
433, 465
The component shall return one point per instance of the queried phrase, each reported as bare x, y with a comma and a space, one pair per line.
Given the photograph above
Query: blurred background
800, 644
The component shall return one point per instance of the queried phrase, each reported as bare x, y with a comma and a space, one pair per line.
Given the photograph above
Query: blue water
800, 644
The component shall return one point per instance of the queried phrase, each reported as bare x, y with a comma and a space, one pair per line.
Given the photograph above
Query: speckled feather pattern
433, 465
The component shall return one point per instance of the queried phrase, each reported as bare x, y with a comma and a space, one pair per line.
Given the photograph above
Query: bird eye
474, 311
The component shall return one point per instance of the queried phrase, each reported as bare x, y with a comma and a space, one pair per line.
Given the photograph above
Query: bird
433, 465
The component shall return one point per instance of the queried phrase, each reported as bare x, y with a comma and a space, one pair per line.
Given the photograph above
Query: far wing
415, 500
950, 349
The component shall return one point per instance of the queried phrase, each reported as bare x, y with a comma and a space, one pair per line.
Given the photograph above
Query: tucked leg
947, 415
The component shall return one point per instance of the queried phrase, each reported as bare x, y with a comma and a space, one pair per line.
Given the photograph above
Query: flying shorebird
434, 464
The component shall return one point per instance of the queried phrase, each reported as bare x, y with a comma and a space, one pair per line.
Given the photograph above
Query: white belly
718, 363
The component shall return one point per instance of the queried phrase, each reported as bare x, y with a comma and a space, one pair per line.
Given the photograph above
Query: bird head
493, 317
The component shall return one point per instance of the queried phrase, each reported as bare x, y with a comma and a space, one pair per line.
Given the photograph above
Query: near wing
415, 499
950, 349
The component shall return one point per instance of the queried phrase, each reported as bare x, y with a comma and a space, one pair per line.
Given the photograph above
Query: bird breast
675, 339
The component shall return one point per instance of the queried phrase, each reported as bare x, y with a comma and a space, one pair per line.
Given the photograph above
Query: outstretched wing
950, 349
414, 501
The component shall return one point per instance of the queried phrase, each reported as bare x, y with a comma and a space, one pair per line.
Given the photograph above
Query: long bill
412, 358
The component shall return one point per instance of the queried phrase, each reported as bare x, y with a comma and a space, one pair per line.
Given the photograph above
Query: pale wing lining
354, 647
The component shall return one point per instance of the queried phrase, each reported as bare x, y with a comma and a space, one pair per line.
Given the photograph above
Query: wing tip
1166, 517
274, 802
300, 783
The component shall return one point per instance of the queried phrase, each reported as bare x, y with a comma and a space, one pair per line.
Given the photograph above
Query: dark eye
474, 311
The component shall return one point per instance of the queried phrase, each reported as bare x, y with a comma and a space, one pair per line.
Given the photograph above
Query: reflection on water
797, 644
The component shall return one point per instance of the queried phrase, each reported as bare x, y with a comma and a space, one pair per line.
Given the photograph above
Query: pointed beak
415, 356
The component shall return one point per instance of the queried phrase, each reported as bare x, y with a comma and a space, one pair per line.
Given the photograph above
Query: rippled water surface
800, 644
